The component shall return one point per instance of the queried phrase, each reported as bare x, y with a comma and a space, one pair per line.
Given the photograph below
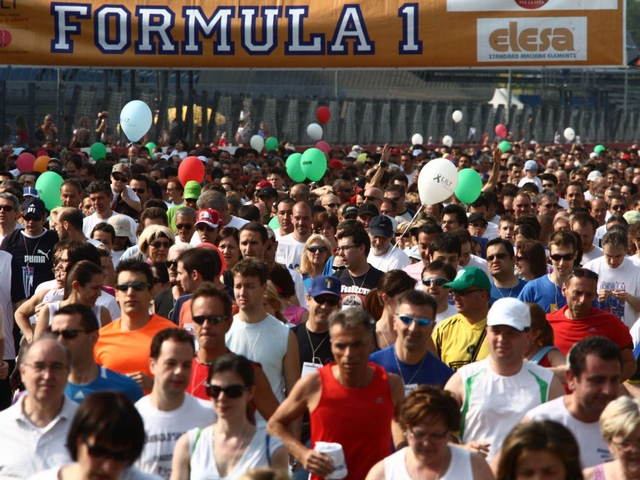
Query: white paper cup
336, 453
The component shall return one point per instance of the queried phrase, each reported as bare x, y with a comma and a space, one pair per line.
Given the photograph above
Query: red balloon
25, 162
191, 168
323, 146
501, 130
323, 114
42, 153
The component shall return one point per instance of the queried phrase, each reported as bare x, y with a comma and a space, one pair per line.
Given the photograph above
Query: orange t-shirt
128, 351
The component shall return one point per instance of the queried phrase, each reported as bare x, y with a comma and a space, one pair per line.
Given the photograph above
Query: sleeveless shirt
395, 467
359, 419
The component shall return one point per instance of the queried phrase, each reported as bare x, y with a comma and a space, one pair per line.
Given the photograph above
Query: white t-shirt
126, 193
626, 277
92, 220
301, 292
289, 251
592, 255
394, 259
449, 312
163, 429
105, 300
593, 449
475, 261
237, 222
600, 231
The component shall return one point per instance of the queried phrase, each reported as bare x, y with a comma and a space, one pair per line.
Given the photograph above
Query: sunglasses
185, 226
67, 333
372, 199
161, 245
499, 256
332, 205
137, 286
31, 218
338, 268
96, 451
422, 322
139, 190
330, 300
119, 178
230, 391
464, 293
171, 263
438, 281
6, 208
315, 249
618, 207
584, 272
212, 319
557, 257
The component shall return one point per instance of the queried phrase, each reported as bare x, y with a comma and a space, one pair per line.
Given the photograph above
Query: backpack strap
540, 354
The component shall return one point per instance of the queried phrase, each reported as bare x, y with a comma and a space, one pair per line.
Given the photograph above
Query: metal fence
207, 114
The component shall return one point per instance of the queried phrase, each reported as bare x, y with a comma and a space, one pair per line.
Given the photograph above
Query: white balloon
447, 140
257, 143
314, 131
417, 139
457, 116
135, 120
437, 181
569, 134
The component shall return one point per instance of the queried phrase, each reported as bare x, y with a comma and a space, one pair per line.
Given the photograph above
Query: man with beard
383, 255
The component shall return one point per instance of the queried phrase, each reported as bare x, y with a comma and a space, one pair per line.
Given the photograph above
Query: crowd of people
251, 327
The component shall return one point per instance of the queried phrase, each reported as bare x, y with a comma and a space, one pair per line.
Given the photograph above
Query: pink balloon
501, 130
25, 162
323, 146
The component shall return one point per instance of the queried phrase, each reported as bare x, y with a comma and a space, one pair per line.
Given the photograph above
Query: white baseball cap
593, 175
510, 312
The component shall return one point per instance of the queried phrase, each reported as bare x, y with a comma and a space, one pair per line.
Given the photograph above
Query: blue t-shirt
498, 293
545, 293
175, 317
430, 372
107, 380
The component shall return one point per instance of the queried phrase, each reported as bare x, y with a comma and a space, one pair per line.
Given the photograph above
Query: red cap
337, 164
396, 151
263, 184
625, 156
209, 216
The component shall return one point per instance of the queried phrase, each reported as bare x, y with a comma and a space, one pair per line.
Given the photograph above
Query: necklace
314, 350
395, 355
363, 280
236, 455
385, 338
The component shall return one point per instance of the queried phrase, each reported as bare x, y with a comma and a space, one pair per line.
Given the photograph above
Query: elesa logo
529, 5
5, 38
532, 39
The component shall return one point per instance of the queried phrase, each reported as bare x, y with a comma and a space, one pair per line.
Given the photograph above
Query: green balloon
469, 185
504, 146
151, 146
599, 149
98, 151
271, 144
314, 164
294, 169
274, 223
48, 187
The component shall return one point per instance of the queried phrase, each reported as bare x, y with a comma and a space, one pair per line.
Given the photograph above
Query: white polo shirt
27, 449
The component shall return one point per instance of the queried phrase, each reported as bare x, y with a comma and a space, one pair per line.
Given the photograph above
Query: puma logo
43, 253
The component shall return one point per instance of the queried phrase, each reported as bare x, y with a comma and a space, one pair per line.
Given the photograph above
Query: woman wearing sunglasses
315, 256
83, 284
155, 242
105, 438
428, 417
231, 446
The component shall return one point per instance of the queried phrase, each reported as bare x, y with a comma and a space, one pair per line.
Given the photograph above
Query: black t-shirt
35, 257
355, 289
163, 303
320, 342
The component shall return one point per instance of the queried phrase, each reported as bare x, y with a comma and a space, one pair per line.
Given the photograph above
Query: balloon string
409, 226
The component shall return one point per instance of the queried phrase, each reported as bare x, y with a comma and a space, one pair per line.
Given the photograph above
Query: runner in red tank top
351, 402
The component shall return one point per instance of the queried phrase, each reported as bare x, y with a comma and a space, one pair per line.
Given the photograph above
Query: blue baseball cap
30, 192
325, 284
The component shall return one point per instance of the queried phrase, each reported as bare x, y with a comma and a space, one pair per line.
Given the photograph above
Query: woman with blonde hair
315, 256
620, 428
155, 242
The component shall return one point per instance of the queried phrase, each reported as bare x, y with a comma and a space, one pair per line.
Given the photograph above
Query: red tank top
359, 419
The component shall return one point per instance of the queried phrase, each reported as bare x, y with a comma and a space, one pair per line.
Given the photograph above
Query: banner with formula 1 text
293, 34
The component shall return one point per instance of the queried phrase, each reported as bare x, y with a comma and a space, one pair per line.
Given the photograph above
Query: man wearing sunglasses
34, 430
124, 199
76, 327
501, 261
168, 412
123, 345
546, 291
330, 202
185, 222
410, 357
494, 394
343, 190
434, 276
460, 339
617, 206
374, 195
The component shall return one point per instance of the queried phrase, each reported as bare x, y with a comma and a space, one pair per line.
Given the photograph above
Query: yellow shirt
455, 339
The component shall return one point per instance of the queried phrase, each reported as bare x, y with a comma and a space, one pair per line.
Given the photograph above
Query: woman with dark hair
231, 446
105, 438
160, 278
83, 284
381, 303
540, 450
326, 224
531, 260
283, 283
228, 241
539, 348
428, 417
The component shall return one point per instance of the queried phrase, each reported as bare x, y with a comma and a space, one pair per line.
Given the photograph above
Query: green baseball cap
192, 190
470, 277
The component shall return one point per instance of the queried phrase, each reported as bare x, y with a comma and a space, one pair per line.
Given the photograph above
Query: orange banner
313, 34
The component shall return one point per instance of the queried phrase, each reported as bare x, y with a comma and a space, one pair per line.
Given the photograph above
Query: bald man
374, 195
330, 202
291, 246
